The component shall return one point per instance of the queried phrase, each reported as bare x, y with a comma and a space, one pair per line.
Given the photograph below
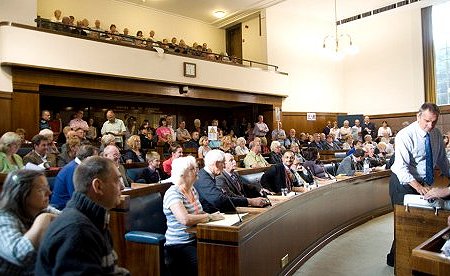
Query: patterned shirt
176, 232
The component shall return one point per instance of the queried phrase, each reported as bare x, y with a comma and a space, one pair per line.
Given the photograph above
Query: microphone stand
232, 204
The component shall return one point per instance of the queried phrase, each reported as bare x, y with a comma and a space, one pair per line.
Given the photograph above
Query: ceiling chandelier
338, 45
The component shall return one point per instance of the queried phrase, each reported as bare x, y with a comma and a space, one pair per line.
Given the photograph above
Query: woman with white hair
241, 149
52, 148
9, 159
275, 156
182, 208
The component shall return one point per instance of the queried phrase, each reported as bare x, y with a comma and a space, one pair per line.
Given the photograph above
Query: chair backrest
331, 168
340, 155
134, 173
146, 214
253, 179
24, 151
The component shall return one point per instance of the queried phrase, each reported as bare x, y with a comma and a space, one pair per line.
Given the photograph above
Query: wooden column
5, 107
25, 108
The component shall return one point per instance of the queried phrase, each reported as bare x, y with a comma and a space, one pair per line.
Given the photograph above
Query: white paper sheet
229, 220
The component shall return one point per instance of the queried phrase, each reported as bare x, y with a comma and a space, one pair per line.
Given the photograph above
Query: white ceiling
202, 10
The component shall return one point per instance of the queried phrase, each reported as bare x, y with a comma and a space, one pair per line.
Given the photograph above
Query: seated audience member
183, 135
385, 138
69, 134
384, 129
151, 36
350, 164
62, 137
82, 135
374, 159
112, 152
368, 140
153, 173
182, 47
134, 154
57, 16
291, 139
230, 183
175, 152
9, 159
22, 133
140, 39
248, 133
107, 139
281, 176
98, 31
356, 144
72, 146
164, 133
39, 155
183, 210
316, 142
227, 145
211, 197
91, 133
275, 156
78, 241
204, 147
148, 140
241, 148
198, 128
194, 142
254, 159
78, 122
216, 194
331, 145
297, 153
303, 140
301, 173
312, 163
279, 134
52, 148
348, 142
345, 129
113, 33
63, 187
126, 36
24, 218
335, 131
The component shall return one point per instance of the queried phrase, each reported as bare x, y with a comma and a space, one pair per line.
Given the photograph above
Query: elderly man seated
230, 183
254, 159
281, 176
212, 198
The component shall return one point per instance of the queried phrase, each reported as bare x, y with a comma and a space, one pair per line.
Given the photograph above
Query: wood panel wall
5, 108
297, 121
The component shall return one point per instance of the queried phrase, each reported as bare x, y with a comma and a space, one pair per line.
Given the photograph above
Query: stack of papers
229, 220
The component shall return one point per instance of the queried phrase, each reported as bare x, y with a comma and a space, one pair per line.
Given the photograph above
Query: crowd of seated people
82, 28
196, 197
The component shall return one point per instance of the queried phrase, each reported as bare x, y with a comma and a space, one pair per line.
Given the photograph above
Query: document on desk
229, 220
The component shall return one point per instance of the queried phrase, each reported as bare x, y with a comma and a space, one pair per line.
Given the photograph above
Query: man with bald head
114, 126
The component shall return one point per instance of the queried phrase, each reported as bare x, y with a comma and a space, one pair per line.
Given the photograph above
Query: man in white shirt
412, 172
261, 129
114, 126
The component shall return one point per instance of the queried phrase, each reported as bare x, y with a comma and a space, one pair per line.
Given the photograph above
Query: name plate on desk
230, 219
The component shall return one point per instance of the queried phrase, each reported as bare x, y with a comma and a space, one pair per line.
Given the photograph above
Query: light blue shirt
410, 160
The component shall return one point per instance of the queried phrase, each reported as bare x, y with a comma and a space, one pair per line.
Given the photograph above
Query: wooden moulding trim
6, 95
25, 87
24, 76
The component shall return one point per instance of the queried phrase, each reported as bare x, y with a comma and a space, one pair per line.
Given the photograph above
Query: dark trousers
183, 259
397, 192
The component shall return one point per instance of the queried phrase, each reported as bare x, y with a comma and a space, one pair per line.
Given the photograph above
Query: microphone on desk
232, 204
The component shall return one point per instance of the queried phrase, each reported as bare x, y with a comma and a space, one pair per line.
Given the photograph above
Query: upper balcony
27, 46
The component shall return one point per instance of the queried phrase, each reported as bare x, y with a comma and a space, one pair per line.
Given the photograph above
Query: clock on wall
190, 69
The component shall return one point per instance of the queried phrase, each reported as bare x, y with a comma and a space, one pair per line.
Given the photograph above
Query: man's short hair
433, 108
36, 140
214, 156
91, 168
359, 153
85, 151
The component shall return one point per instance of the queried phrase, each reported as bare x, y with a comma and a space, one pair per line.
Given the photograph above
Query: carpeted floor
361, 251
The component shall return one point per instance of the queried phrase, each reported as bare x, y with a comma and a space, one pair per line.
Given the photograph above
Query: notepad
229, 220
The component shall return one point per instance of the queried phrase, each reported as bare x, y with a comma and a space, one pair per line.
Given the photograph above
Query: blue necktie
429, 178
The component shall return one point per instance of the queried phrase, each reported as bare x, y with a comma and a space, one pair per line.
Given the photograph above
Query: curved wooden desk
297, 228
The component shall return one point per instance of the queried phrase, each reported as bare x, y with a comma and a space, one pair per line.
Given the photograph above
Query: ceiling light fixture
338, 45
219, 14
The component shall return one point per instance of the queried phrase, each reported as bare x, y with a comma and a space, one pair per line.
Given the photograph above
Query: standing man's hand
419, 187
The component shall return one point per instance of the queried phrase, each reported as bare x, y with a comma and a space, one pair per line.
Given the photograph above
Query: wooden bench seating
138, 225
